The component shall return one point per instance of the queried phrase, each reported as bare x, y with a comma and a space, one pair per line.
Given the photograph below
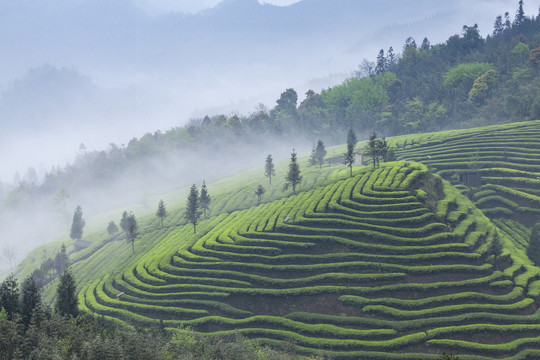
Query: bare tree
9, 255
365, 69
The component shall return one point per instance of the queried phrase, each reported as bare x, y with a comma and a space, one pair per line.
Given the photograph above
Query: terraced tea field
392, 263
499, 166
399, 262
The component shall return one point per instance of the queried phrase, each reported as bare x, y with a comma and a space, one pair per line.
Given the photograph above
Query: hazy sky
192, 6
127, 69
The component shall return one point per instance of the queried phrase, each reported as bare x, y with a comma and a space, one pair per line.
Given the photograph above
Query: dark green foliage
351, 144
269, 170
61, 260
66, 298
520, 14
317, 154
204, 199
259, 192
131, 229
293, 177
161, 211
378, 149
192, 207
9, 295
112, 228
351, 138
77, 225
533, 250
58, 337
124, 221
30, 299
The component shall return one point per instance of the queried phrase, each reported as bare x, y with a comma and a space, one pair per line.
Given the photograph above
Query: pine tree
132, 230
426, 44
204, 199
293, 177
259, 192
507, 23
382, 63
382, 149
351, 138
112, 229
192, 207
317, 154
373, 148
269, 168
391, 58
498, 26
77, 225
520, 14
161, 212
66, 299
30, 298
351, 144
61, 260
9, 296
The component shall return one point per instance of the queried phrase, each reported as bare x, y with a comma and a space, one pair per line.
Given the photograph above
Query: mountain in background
100, 71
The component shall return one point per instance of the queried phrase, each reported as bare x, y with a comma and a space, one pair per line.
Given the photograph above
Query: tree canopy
205, 199
161, 211
317, 154
66, 297
294, 176
269, 170
193, 212
77, 225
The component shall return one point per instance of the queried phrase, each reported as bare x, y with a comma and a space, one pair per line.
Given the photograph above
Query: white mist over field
100, 72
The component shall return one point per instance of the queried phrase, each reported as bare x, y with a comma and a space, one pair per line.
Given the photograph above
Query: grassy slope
155, 266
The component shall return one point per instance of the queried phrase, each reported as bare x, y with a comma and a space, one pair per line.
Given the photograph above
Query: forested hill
466, 81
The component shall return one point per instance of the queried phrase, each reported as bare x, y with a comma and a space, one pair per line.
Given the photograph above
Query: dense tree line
465, 81
30, 329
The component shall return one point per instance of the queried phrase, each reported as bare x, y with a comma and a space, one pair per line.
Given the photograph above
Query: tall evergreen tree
351, 138
391, 58
269, 170
66, 299
61, 260
520, 14
426, 45
507, 22
30, 299
192, 207
498, 26
293, 177
204, 199
317, 154
9, 295
351, 144
381, 64
77, 225
161, 212
132, 230
373, 150
382, 149
124, 221
259, 192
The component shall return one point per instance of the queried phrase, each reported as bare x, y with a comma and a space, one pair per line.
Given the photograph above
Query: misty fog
99, 72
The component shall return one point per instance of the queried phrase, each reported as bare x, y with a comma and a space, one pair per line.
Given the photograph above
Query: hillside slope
394, 262
372, 266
